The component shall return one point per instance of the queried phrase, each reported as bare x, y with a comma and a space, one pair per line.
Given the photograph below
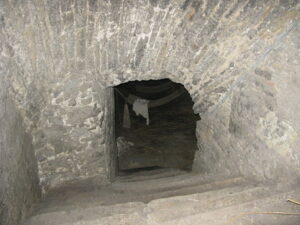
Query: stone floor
168, 197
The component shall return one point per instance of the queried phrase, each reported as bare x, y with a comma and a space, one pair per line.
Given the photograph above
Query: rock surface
149, 198
232, 57
239, 61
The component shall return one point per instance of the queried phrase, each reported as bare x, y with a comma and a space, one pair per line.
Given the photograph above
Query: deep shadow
169, 140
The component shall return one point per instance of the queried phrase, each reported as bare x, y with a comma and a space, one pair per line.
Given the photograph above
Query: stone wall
255, 130
19, 183
68, 52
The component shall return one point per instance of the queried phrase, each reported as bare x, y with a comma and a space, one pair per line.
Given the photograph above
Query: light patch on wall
279, 136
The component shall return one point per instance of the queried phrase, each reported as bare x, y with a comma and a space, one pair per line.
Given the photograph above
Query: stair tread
182, 199
238, 214
167, 182
110, 195
167, 209
85, 214
66, 215
224, 216
150, 175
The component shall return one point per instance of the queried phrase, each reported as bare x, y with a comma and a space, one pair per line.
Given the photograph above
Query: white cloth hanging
126, 117
140, 107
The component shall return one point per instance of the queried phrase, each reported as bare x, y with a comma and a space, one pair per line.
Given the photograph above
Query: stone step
271, 210
155, 212
232, 215
171, 182
118, 219
150, 175
162, 210
141, 192
147, 196
88, 215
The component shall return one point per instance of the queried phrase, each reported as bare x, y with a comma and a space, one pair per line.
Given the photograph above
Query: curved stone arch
116, 78
122, 78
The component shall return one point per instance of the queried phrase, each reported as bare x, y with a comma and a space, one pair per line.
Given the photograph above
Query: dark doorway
163, 134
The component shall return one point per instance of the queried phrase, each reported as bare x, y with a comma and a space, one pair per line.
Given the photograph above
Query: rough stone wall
19, 183
255, 131
68, 52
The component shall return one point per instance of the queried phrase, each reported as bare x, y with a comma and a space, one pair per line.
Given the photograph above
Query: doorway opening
154, 126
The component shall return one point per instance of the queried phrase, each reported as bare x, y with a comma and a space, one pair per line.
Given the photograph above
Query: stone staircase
168, 197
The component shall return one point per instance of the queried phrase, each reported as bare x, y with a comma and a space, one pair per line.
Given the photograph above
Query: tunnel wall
68, 52
19, 183
258, 121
